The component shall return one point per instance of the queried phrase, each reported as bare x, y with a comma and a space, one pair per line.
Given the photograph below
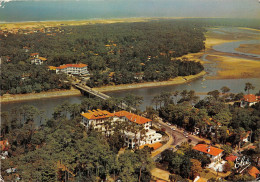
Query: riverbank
74, 92
43, 95
230, 66
174, 81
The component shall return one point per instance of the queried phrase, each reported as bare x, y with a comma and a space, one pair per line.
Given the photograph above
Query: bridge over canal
84, 89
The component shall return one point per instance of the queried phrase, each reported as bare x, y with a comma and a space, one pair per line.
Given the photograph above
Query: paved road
176, 137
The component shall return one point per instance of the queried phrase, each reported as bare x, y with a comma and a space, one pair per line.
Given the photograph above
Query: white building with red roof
249, 100
213, 153
73, 69
36, 59
137, 130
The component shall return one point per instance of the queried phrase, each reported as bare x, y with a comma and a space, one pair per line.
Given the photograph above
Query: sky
146, 8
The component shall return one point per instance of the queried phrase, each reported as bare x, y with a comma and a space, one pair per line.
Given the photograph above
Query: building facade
213, 153
36, 59
136, 129
73, 69
249, 100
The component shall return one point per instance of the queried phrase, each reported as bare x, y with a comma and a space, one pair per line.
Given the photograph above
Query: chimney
208, 149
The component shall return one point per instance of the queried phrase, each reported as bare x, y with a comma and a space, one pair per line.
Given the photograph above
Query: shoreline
175, 81
8, 98
63, 23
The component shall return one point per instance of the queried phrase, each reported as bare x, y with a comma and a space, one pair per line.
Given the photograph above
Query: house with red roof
73, 69
213, 153
249, 100
137, 130
4, 145
231, 158
36, 59
254, 172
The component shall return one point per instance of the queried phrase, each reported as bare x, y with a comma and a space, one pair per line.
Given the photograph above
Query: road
176, 137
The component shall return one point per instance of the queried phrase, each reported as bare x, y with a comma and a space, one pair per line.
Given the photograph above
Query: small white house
35, 59
213, 153
249, 100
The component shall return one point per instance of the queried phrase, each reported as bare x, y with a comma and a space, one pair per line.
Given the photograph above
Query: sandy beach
43, 95
40, 24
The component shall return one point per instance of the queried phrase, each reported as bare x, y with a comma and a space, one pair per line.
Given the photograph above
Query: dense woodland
61, 149
132, 52
230, 122
185, 110
38, 146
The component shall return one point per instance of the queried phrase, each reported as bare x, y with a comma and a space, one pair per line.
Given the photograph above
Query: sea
52, 10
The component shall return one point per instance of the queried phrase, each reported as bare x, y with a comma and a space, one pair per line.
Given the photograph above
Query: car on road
186, 136
177, 146
173, 129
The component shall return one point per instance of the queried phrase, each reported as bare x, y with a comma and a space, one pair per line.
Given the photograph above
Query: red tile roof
132, 117
72, 65
254, 172
42, 58
231, 158
153, 145
208, 149
251, 98
34, 54
4, 145
97, 114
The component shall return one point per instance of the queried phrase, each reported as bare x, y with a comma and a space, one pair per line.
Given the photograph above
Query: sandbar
249, 48
234, 68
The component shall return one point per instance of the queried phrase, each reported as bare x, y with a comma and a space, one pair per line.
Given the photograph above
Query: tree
37, 87
227, 149
225, 89
227, 167
127, 166
214, 94
176, 178
248, 87
195, 167
145, 162
5, 123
